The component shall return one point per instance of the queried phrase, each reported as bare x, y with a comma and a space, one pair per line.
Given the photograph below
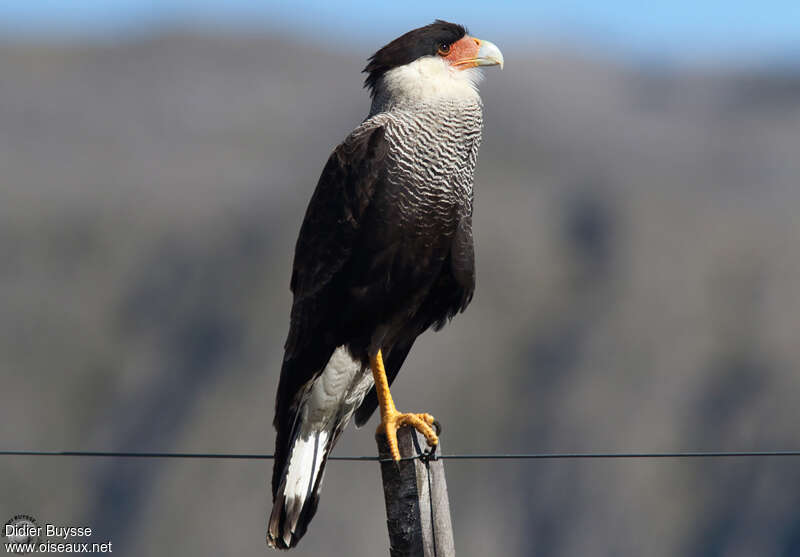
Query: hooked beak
488, 54
470, 52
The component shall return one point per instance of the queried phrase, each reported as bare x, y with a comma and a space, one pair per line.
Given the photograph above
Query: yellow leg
391, 419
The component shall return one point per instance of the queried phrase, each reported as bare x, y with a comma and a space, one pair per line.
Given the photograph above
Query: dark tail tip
280, 535
278, 543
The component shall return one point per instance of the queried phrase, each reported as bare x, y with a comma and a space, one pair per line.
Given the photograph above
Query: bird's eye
444, 49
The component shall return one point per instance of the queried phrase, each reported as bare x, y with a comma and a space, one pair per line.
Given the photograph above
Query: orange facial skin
463, 53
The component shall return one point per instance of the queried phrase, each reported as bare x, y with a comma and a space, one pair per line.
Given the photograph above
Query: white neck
427, 80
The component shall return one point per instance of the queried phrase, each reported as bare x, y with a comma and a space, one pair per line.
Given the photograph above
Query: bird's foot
394, 420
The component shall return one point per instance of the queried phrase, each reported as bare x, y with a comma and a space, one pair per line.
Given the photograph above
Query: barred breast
432, 158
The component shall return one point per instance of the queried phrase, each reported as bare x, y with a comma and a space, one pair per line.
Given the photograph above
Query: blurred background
636, 243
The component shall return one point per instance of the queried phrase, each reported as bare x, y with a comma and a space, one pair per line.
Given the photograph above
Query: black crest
417, 43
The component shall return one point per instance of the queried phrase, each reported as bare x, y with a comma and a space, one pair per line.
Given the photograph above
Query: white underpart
429, 79
331, 401
331, 393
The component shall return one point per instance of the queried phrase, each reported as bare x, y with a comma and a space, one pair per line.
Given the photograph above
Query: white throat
427, 80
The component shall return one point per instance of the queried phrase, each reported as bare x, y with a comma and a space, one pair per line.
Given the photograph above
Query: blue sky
658, 27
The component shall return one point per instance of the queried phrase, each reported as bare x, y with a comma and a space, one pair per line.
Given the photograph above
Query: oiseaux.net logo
22, 535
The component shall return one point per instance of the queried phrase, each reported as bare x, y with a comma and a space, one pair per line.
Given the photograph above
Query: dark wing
462, 263
330, 229
451, 293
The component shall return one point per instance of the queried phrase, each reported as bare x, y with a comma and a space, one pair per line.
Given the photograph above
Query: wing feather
462, 261
330, 229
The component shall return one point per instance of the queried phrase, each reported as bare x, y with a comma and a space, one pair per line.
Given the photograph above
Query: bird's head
437, 61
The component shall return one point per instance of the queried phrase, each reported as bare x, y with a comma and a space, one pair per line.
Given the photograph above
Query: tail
308, 423
296, 491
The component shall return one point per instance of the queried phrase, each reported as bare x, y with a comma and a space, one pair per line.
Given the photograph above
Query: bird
385, 252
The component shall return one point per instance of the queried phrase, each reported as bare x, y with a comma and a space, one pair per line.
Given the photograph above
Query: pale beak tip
490, 55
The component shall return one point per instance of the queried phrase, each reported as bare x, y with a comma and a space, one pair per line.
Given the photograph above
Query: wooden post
417, 508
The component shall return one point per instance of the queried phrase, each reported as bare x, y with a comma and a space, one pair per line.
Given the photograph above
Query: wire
425, 456
609, 455
111, 454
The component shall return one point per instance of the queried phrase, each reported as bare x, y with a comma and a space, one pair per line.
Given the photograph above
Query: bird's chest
431, 167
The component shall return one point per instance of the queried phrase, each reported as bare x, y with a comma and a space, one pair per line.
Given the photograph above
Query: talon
422, 423
392, 420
